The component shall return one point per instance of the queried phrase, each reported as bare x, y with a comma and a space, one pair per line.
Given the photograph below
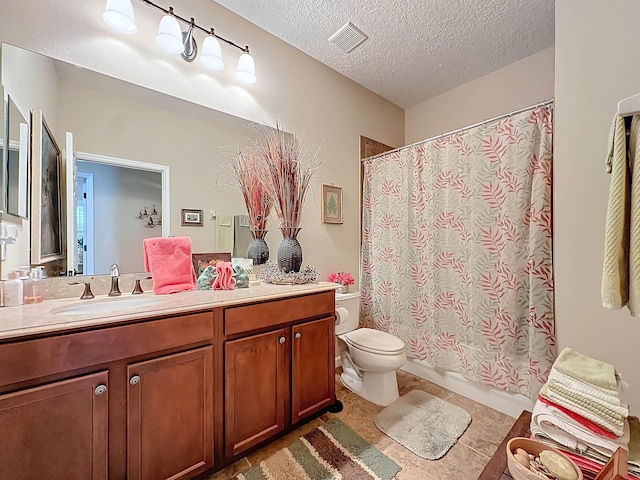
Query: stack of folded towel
582, 411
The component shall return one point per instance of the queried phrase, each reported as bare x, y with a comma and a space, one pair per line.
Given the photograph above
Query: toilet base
378, 388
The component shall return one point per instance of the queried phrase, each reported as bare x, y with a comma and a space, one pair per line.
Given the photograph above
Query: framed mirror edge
23, 146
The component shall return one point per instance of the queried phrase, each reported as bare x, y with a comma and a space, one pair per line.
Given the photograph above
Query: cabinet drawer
277, 312
27, 360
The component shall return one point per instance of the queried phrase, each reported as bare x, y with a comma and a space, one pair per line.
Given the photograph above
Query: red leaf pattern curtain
456, 251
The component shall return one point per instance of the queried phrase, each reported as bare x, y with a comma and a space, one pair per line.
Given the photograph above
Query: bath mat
331, 451
426, 425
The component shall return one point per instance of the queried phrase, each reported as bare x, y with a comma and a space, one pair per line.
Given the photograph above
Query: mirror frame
24, 163
5, 153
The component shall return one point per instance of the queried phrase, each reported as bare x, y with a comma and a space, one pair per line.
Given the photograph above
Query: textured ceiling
416, 49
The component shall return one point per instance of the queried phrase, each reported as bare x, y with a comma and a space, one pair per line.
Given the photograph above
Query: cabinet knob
298, 335
100, 390
281, 340
134, 380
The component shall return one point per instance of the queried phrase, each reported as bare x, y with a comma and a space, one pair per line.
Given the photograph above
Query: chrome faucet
115, 275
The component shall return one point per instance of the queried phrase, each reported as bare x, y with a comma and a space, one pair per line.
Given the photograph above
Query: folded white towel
567, 431
607, 410
591, 391
617, 427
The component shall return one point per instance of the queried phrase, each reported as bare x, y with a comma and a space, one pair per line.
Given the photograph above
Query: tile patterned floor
464, 461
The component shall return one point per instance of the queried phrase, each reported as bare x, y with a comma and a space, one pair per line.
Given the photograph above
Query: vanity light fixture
119, 15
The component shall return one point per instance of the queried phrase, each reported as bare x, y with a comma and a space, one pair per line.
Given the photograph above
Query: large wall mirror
132, 157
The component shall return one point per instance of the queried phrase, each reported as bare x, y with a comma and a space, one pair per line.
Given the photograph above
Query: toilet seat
374, 341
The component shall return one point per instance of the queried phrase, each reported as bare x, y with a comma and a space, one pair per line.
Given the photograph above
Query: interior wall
597, 47
304, 94
515, 86
32, 82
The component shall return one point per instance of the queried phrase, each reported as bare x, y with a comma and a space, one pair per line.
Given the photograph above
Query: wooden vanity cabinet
170, 416
275, 379
256, 389
313, 368
147, 412
56, 431
169, 397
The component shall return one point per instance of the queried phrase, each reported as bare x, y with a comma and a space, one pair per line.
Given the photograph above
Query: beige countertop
53, 316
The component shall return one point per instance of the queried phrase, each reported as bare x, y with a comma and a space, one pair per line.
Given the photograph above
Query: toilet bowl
369, 357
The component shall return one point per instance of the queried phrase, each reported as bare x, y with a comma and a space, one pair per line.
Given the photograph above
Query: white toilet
369, 357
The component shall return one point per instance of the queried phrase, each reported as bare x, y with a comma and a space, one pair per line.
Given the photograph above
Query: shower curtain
456, 251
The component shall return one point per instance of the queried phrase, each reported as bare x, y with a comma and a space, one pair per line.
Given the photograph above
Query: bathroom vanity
169, 390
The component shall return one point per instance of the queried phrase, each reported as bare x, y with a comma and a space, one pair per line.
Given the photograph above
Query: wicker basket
518, 472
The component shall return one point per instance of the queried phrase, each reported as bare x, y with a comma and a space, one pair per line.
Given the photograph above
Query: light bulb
246, 71
169, 35
118, 14
211, 56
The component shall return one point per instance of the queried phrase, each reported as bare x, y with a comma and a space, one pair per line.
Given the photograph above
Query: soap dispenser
32, 288
13, 290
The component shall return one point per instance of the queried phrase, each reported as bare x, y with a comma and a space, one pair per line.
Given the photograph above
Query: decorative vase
290, 251
343, 289
258, 248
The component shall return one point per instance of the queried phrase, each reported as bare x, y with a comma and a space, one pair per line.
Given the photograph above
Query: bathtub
506, 402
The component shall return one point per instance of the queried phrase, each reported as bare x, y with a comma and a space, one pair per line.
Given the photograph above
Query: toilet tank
351, 303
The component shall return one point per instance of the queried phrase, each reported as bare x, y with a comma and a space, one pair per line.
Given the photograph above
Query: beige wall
32, 82
597, 51
515, 86
304, 94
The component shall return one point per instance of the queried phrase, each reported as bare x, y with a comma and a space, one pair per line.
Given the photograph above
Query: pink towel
224, 278
169, 261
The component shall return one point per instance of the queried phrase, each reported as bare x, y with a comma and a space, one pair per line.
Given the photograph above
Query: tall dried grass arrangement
248, 171
288, 167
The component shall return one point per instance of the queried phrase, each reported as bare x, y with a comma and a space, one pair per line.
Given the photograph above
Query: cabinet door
256, 389
313, 367
56, 431
170, 416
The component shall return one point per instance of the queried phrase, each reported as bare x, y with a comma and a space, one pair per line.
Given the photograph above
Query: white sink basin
110, 305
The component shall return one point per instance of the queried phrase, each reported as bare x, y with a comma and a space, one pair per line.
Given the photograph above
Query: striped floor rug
333, 451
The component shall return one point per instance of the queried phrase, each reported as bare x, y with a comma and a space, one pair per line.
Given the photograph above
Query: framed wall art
47, 231
191, 218
204, 260
331, 204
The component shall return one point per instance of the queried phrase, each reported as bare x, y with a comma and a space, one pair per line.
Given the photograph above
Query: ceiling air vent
348, 37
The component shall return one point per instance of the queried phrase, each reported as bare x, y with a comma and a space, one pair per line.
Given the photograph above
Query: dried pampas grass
288, 167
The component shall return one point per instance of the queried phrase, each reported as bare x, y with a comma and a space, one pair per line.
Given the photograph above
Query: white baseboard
511, 404
338, 361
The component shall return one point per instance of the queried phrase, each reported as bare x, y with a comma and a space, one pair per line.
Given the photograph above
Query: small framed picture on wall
191, 218
331, 204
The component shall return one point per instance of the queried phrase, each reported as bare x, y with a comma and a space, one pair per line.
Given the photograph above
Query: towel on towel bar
169, 261
615, 270
621, 268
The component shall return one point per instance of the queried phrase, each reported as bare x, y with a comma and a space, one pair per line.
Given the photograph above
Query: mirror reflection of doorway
84, 224
108, 202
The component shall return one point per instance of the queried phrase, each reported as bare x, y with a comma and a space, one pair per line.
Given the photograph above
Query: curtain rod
460, 130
